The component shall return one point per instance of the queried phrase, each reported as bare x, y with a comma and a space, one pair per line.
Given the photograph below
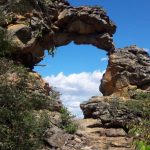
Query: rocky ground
90, 136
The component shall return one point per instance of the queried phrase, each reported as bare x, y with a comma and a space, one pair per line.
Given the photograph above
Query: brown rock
46, 25
56, 138
127, 68
111, 111
115, 132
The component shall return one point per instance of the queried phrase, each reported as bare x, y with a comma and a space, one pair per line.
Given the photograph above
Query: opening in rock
75, 71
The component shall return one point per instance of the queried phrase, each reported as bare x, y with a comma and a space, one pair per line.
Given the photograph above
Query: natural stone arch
46, 24
49, 25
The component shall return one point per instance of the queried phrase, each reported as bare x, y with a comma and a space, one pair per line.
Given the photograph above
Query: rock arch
47, 24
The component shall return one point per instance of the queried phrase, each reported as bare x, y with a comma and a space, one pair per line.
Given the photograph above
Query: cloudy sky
76, 70
76, 88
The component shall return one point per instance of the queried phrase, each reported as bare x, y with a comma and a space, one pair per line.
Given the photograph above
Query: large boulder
128, 68
111, 111
56, 138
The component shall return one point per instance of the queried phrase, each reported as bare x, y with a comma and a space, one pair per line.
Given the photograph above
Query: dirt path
91, 137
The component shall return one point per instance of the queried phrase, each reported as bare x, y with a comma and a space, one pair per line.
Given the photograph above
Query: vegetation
67, 122
141, 145
139, 128
21, 6
140, 104
2, 17
21, 98
5, 44
52, 51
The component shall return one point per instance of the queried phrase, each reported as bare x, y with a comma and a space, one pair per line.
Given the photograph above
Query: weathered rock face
85, 25
111, 111
38, 25
127, 68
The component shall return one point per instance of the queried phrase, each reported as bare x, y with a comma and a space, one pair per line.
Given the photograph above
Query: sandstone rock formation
111, 111
38, 25
128, 68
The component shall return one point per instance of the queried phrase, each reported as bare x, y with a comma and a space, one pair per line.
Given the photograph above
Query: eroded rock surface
128, 68
111, 112
37, 25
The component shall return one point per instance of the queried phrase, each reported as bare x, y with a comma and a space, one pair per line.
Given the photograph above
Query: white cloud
104, 59
76, 88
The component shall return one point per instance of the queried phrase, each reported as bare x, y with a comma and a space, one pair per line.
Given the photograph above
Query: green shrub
52, 51
140, 104
142, 96
67, 122
141, 145
71, 128
22, 127
5, 44
21, 6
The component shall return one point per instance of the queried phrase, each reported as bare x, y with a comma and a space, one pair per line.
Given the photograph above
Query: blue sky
75, 63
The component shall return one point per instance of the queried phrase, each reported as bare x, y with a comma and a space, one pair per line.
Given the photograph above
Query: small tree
67, 122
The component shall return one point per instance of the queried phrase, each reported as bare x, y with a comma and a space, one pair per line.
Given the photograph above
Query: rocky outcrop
127, 68
112, 112
37, 25
106, 120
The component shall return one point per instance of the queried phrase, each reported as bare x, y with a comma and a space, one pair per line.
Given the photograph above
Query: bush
67, 122
5, 44
21, 6
21, 126
139, 127
140, 104
141, 145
